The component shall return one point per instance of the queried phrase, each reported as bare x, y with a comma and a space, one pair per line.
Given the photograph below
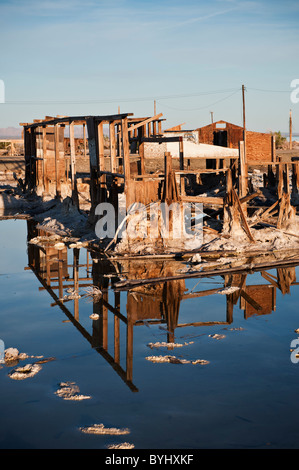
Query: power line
207, 106
268, 91
118, 100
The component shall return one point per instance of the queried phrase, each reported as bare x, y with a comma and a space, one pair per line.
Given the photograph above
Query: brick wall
258, 147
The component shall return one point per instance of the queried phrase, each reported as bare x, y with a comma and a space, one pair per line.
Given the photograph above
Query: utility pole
290, 124
212, 120
244, 120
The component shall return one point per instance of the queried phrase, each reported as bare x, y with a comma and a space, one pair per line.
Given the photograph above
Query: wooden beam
146, 121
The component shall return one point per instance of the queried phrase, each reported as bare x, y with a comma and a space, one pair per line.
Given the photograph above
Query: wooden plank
113, 162
243, 176
204, 199
145, 121
243, 217
126, 153
57, 161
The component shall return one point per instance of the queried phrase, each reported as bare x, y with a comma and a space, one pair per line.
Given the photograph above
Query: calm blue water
245, 397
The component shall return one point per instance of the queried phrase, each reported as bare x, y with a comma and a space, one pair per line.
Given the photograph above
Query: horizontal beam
146, 121
68, 119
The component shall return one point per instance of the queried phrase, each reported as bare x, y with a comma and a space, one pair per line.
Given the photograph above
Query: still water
243, 395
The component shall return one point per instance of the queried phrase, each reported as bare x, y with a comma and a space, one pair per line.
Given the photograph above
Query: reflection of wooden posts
60, 274
116, 328
129, 355
104, 314
76, 282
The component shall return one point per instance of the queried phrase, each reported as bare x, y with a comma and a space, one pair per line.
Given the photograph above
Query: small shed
260, 147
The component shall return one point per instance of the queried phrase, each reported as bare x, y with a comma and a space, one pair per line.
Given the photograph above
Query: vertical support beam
113, 166
40, 162
126, 154
182, 178
32, 158
102, 179
244, 119
75, 197
84, 139
273, 149
141, 150
243, 171
290, 124
280, 182
57, 161
159, 127
94, 165
45, 161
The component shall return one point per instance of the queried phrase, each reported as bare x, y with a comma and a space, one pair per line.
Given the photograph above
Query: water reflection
62, 273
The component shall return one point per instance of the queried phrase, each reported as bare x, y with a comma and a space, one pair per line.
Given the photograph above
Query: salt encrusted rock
217, 336
11, 354
174, 360
168, 345
24, 372
124, 445
94, 316
100, 429
70, 391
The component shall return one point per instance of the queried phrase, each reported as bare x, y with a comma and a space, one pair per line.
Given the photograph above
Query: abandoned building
120, 163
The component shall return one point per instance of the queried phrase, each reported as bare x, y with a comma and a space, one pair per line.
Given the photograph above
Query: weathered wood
113, 163
243, 217
144, 122
75, 196
243, 175
57, 161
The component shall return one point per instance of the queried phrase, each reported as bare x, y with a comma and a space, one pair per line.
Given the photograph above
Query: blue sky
70, 57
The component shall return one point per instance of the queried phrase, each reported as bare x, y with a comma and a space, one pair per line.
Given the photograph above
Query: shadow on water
63, 273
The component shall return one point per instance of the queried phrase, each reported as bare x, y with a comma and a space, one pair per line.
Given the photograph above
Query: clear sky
71, 57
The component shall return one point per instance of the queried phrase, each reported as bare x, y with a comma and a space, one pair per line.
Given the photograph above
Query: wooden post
94, 165
112, 147
182, 178
103, 187
45, 162
280, 182
57, 160
291, 137
126, 154
243, 173
75, 197
244, 119
84, 139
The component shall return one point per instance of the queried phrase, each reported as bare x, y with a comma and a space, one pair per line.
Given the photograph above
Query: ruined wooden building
114, 148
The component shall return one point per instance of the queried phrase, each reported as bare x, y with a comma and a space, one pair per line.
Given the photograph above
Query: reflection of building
62, 271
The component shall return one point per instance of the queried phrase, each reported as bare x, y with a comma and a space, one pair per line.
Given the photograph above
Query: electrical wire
119, 100
204, 107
